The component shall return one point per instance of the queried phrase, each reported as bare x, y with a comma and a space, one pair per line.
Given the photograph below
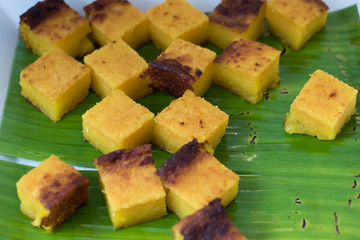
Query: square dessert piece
118, 66
176, 19
295, 22
322, 107
117, 19
53, 24
186, 118
55, 83
248, 69
192, 177
235, 19
210, 222
52, 192
117, 122
182, 66
134, 193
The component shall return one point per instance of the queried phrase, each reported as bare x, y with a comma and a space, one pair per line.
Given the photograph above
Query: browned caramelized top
59, 187
42, 11
140, 155
211, 222
236, 14
322, 6
95, 9
169, 75
183, 158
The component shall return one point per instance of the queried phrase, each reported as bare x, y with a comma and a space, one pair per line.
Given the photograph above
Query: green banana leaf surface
291, 186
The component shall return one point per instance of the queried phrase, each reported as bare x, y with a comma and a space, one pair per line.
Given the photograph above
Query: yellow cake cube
192, 177
134, 193
235, 19
55, 83
118, 66
174, 19
295, 22
210, 222
186, 118
52, 192
248, 69
117, 122
322, 107
53, 24
117, 19
183, 66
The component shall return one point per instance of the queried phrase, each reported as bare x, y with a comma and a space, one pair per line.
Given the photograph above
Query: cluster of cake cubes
192, 182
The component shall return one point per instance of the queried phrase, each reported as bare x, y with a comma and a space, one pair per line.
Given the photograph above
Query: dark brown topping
170, 76
140, 155
333, 94
179, 160
60, 185
323, 7
42, 11
234, 13
211, 222
93, 8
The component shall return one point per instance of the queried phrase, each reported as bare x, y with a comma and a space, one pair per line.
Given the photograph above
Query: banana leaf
291, 187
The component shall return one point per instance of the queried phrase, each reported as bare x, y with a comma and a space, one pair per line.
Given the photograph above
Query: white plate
11, 10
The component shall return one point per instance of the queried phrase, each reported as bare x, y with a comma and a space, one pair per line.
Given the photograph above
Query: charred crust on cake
179, 161
140, 155
41, 12
169, 75
96, 10
234, 13
211, 222
59, 188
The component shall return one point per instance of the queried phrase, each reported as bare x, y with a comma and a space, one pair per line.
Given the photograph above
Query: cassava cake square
55, 83
52, 192
186, 118
134, 193
118, 66
322, 107
117, 122
182, 66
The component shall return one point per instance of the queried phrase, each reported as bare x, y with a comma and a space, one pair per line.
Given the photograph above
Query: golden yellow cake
211, 222
295, 22
174, 19
118, 66
322, 107
183, 66
55, 83
235, 19
186, 118
53, 24
52, 192
248, 69
117, 122
134, 193
192, 177
117, 19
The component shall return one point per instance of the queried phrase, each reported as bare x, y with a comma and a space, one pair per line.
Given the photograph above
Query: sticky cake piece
117, 122
117, 19
235, 19
187, 117
192, 177
55, 83
295, 22
210, 222
248, 69
134, 193
322, 107
183, 66
118, 66
52, 192
53, 24
174, 19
